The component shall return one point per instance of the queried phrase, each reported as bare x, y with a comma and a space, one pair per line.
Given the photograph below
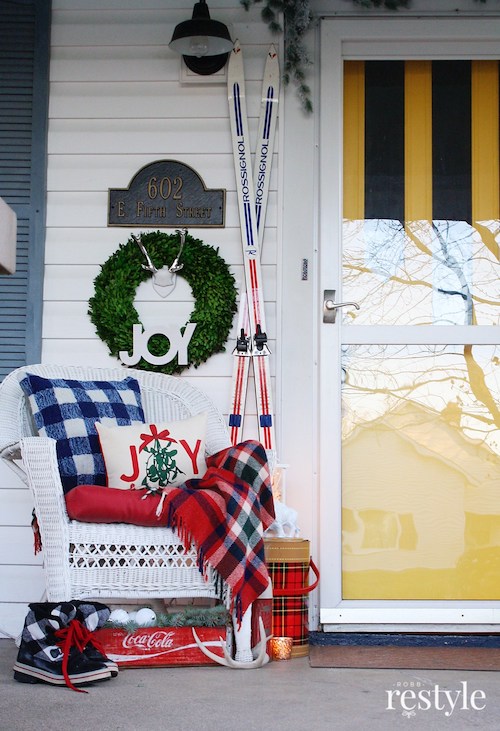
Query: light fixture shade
201, 36
204, 43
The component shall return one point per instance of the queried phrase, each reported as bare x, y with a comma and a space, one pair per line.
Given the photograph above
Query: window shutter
24, 55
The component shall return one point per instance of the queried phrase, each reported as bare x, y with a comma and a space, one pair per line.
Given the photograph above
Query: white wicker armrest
40, 462
11, 454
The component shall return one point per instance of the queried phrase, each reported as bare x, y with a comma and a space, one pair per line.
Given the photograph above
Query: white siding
116, 104
21, 577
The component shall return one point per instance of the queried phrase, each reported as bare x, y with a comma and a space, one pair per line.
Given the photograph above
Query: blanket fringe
237, 482
184, 534
203, 563
37, 538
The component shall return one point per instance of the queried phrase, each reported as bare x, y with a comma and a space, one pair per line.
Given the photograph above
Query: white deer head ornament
164, 279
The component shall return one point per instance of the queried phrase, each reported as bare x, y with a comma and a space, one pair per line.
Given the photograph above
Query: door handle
330, 307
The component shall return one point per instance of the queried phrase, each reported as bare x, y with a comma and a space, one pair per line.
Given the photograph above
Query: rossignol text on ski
251, 344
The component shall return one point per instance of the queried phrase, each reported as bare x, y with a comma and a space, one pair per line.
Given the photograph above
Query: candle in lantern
281, 648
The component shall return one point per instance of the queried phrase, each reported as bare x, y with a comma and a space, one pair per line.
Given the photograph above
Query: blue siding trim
39, 179
24, 75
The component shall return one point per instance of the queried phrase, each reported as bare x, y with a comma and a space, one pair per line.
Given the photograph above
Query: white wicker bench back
165, 398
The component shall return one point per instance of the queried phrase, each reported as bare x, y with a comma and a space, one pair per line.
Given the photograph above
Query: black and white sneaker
49, 668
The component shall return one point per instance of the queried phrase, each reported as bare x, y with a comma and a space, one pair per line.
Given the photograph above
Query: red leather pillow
97, 504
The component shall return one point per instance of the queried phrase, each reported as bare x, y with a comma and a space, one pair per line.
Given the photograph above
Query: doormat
386, 651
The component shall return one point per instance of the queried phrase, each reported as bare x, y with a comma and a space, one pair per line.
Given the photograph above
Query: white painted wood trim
372, 39
426, 335
330, 238
412, 615
443, 628
417, 9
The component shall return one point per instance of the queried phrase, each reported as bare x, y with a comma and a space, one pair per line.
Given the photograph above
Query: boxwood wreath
112, 310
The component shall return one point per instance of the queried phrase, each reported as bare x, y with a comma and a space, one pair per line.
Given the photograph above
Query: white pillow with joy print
153, 456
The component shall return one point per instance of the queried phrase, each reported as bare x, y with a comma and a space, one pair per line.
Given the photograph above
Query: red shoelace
75, 634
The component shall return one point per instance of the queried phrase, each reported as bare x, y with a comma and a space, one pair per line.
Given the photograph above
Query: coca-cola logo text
146, 641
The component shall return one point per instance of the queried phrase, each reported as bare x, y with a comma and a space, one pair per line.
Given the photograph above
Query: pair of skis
252, 190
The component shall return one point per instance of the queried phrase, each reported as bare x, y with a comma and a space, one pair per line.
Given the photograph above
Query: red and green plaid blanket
224, 515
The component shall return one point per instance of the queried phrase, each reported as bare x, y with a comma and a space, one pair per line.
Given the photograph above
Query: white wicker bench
96, 560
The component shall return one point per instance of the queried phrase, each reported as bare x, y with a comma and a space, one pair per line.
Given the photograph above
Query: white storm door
410, 382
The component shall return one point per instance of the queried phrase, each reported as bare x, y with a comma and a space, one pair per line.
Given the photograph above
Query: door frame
388, 38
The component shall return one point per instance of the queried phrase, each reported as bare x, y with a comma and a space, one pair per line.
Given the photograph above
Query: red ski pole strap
282, 572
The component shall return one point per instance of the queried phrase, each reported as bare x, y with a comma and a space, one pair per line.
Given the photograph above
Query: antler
175, 266
150, 266
227, 661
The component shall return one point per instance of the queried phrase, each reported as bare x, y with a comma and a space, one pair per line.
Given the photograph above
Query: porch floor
287, 696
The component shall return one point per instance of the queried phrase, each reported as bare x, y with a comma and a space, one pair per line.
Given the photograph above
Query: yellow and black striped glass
422, 191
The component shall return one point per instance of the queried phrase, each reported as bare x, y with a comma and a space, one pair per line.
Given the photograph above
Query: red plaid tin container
288, 562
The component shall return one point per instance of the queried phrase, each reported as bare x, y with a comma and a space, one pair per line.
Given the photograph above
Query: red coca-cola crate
161, 646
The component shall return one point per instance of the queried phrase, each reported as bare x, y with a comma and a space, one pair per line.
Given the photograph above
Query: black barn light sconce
203, 43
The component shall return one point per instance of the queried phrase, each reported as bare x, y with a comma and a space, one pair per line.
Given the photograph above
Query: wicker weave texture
84, 560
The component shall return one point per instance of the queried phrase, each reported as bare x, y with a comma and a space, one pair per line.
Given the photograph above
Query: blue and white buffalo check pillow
67, 410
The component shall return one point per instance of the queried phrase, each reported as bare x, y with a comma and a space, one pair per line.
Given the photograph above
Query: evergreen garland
112, 310
298, 19
217, 616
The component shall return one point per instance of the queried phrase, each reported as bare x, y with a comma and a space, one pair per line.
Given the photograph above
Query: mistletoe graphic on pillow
161, 465
154, 456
